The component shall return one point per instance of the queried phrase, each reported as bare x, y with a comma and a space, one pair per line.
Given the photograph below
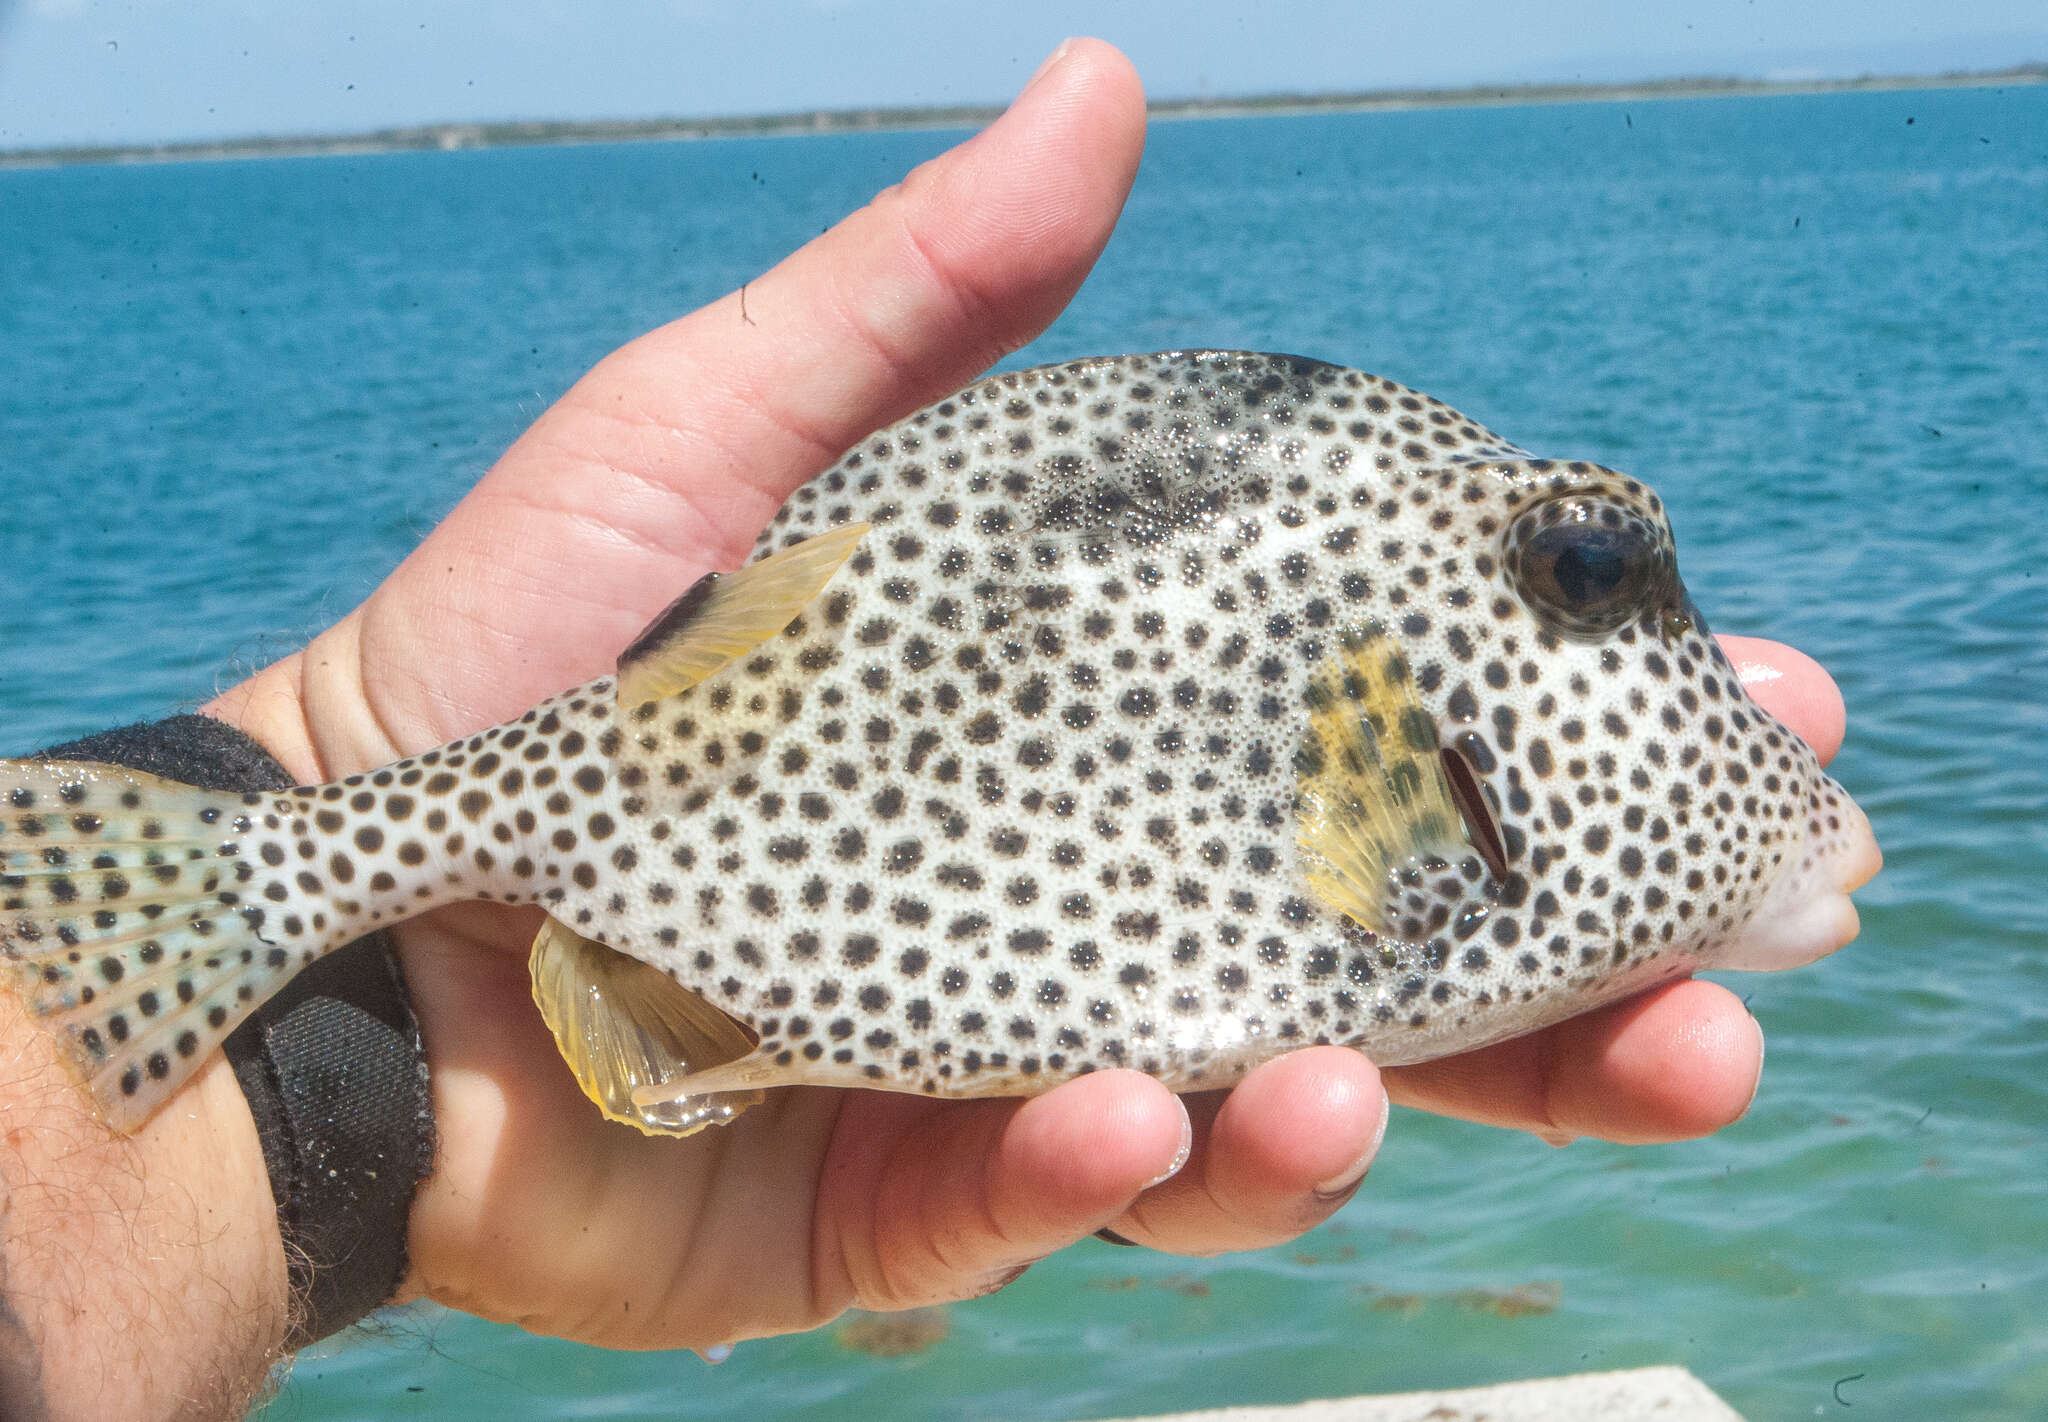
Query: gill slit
1482, 826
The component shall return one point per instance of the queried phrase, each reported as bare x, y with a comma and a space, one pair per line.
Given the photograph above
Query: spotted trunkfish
1165, 711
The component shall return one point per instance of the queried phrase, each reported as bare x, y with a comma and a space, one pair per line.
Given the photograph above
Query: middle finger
1276, 1155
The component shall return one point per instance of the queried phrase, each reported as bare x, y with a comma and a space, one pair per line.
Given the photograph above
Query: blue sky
121, 71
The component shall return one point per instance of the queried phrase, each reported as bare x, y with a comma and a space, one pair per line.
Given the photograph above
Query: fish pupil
1589, 570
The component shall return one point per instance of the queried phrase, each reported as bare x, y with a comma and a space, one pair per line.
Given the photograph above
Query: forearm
140, 1277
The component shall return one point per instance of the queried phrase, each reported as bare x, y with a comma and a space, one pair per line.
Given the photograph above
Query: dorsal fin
1372, 790
622, 1025
727, 615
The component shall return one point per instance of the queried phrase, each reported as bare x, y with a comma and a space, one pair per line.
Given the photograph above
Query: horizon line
464, 135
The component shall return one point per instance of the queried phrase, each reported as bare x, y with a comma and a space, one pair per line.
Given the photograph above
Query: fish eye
1586, 565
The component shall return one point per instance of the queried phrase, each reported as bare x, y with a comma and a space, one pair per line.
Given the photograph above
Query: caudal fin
127, 923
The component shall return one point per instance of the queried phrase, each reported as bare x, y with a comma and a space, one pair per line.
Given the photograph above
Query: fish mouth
1482, 826
1807, 913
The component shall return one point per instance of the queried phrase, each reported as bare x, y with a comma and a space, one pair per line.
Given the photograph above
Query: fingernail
1761, 1045
1345, 1183
1001, 1279
1560, 1139
1180, 1156
716, 1353
1110, 1236
1051, 60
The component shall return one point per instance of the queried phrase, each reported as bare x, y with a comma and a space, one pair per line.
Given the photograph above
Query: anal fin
624, 1026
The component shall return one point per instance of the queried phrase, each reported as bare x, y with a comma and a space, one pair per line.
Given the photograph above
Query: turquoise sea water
233, 395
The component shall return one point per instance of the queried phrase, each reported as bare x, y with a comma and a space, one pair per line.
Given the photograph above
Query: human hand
663, 463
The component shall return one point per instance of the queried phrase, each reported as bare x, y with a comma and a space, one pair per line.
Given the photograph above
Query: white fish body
1160, 711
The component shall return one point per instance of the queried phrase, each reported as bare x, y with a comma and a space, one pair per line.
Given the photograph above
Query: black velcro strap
337, 1080
333, 1067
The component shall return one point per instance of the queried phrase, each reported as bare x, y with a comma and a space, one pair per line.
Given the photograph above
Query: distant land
448, 137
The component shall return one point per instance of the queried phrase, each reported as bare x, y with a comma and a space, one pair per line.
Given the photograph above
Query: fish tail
131, 926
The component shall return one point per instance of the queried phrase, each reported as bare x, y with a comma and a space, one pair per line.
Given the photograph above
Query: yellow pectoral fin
726, 615
624, 1026
1372, 791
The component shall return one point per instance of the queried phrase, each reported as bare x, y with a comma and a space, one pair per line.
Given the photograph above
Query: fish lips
1807, 914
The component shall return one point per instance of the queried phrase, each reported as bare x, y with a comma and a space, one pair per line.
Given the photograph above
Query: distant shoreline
450, 137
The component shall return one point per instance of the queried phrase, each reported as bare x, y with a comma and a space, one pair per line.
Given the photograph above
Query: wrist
144, 1276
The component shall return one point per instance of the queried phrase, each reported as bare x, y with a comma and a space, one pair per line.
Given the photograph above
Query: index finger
1793, 687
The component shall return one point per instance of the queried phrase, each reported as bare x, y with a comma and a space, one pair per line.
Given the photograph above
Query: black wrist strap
333, 1068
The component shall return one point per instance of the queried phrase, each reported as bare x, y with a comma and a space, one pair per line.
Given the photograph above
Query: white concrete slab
1666, 1394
